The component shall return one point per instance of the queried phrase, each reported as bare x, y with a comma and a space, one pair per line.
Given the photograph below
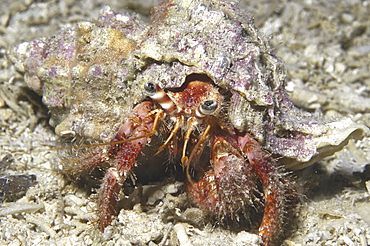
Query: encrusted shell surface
91, 75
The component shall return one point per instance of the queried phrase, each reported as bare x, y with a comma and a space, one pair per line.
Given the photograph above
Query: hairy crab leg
228, 187
274, 186
140, 122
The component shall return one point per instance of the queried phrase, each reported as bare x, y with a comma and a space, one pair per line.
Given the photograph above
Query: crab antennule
179, 122
195, 153
192, 122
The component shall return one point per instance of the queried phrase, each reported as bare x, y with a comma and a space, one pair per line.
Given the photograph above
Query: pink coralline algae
95, 77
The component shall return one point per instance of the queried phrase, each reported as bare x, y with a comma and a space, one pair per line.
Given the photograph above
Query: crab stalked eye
208, 107
150, 88
160, 96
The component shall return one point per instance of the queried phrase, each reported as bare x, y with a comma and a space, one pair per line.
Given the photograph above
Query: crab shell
92, 75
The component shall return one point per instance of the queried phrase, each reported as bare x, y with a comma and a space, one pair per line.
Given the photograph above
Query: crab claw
228, 187
276, 188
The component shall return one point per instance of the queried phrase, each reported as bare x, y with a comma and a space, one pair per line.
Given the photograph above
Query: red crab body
226, 186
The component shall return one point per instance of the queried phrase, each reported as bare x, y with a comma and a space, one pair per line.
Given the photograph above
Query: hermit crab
199, 77
228, 181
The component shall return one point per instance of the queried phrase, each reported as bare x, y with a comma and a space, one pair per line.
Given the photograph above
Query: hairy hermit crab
200, 77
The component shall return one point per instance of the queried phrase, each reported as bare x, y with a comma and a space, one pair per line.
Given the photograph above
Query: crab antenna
102, 144
159, 114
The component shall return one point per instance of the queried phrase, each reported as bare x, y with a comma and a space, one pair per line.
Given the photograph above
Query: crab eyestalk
205, 109
160, 96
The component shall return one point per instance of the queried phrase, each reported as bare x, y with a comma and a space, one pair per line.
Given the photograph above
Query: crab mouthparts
187, 109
